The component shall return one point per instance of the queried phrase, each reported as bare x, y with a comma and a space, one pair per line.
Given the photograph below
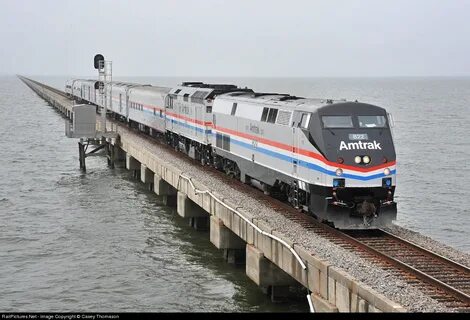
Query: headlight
339, 171
366, 159
357, 159
386, 171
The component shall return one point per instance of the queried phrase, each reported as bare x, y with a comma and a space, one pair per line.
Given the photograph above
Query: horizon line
250, 76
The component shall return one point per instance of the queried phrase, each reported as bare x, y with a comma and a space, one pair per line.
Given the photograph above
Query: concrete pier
267, 275
146, 176
223, 238
164, 190
120, 156
186, 208
133, 165
269, 263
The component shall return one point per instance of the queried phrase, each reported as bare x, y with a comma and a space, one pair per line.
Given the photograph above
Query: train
333, 159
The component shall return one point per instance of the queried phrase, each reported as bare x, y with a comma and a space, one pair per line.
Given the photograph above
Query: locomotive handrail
197, 191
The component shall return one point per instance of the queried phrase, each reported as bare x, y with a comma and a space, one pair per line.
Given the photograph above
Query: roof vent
289, 98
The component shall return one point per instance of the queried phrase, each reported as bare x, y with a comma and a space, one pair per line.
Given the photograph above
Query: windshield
372, 121
337, 122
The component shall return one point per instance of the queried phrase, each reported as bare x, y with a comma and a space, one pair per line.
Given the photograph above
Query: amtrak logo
360, 145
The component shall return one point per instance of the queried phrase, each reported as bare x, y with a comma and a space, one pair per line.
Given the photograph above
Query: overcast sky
237, 38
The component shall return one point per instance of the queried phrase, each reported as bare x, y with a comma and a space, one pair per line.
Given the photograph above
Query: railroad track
438, 277
57, 91
451, 279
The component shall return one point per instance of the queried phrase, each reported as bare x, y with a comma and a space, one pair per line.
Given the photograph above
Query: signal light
384, 160
98, 60
366, 159
357, 159
99, 85
340, 160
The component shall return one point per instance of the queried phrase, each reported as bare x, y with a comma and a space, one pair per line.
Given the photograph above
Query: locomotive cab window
305, 120
186, 97
371, 121
337, 122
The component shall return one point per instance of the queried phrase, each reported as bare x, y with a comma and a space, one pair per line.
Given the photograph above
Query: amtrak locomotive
332, 159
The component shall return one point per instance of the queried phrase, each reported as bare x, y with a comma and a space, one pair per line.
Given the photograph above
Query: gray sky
237, 38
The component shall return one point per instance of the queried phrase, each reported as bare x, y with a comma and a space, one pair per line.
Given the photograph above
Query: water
98, 241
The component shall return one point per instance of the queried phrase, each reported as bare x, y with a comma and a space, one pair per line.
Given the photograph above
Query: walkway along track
442, 279
57, 91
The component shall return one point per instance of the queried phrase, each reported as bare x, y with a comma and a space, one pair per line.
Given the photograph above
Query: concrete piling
119, 156
223, 238
146, 176
186, 208
267, 275
133, 165
165, 191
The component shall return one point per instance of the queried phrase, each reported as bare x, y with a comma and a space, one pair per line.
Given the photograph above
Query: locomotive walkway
247, 225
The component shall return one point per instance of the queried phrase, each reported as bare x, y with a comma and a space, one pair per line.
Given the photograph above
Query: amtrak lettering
360, 145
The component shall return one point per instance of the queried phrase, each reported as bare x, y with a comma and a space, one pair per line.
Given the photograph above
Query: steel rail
465, 298
429, 253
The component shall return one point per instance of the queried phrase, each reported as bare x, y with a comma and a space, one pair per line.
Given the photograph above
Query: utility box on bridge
83, 122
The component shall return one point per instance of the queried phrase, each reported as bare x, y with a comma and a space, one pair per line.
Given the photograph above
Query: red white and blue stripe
305, 158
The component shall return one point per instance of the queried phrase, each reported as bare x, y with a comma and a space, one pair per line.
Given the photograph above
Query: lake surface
100, 242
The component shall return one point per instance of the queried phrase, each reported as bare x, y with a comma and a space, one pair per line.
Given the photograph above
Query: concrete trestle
272, 264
